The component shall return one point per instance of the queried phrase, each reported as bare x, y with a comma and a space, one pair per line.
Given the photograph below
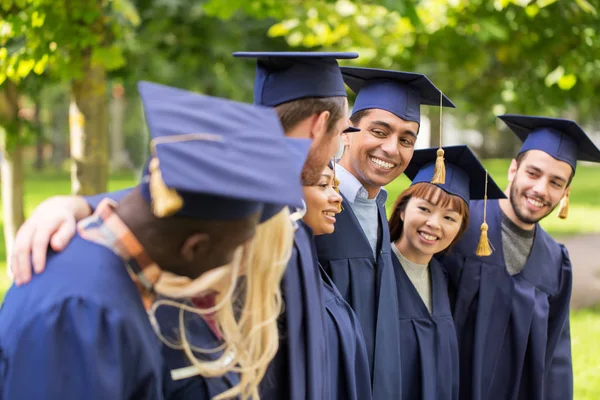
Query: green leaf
111, 57
566, 82
554, 76
587, 7
37, 19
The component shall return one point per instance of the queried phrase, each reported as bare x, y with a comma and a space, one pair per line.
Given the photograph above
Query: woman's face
322, 204
428, 229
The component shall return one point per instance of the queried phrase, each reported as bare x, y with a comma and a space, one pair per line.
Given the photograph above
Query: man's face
537, 185
323, 148
382, 149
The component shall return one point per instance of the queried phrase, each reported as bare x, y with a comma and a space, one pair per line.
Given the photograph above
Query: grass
584, 217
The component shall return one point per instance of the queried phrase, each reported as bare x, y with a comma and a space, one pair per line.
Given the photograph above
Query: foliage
35, 34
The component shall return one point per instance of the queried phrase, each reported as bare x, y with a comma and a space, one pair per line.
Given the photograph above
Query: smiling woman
427, 219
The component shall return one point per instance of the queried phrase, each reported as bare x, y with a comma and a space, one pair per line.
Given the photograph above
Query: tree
79, 41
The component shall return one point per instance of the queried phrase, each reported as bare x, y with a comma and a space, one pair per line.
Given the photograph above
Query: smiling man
511, 309
357, 255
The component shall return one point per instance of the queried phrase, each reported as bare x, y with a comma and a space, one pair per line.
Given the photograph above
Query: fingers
64, 234
20, 258
39, 246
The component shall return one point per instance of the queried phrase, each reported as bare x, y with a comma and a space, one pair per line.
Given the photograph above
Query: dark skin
181, 245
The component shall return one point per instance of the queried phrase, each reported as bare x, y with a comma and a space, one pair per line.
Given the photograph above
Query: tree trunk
89, 131
39, 137
11, 166
118, 155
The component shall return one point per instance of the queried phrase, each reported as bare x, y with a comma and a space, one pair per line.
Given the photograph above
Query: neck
412, 254
509, 211
302, 130
371, 189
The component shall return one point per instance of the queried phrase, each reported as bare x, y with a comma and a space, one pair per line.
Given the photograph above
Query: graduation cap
287, 76
465, 178
400, 93
562, 139
214, 158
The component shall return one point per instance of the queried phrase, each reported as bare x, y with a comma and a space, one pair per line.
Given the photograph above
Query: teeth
382, 164
427, 236
535, 202
329, 213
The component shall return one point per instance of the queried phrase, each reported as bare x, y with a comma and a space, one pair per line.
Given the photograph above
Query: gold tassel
483, 247
563, 208
439, 172
165, 201
336, 184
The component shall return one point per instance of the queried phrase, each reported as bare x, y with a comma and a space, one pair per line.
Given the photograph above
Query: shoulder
84, 278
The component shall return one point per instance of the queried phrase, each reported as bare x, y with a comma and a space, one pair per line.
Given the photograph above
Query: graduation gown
198, 334
368, 285
78, 331
513, 331
429, 349
348, 367
298, 370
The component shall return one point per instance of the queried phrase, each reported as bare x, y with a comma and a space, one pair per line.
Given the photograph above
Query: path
585, 257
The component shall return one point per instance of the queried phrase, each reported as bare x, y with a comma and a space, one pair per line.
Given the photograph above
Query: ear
196, 244
512, 170
402, 214
319, 125
346, 139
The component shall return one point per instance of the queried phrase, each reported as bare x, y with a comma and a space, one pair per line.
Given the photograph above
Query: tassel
563, 208
165, 201
336, 184
483, 247
439, 172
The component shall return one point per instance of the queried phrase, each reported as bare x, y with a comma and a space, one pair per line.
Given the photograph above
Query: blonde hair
245, 310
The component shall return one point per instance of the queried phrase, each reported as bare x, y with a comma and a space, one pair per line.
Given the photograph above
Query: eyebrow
389, 127
435, 205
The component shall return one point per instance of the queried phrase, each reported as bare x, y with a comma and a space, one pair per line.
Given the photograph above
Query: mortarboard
400, 93
214, 158
465, 178
563, 139
285, 76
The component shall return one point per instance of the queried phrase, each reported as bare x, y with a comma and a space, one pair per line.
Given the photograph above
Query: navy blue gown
348, 366
429, 349
513, 331
78, 331
199, 334
369, 286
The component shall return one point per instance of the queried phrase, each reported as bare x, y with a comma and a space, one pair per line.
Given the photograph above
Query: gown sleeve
94, 200
74, 350
559, 379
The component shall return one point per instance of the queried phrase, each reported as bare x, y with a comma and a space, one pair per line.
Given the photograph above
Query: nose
335, 197
433, 222
390, 146
540, 188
